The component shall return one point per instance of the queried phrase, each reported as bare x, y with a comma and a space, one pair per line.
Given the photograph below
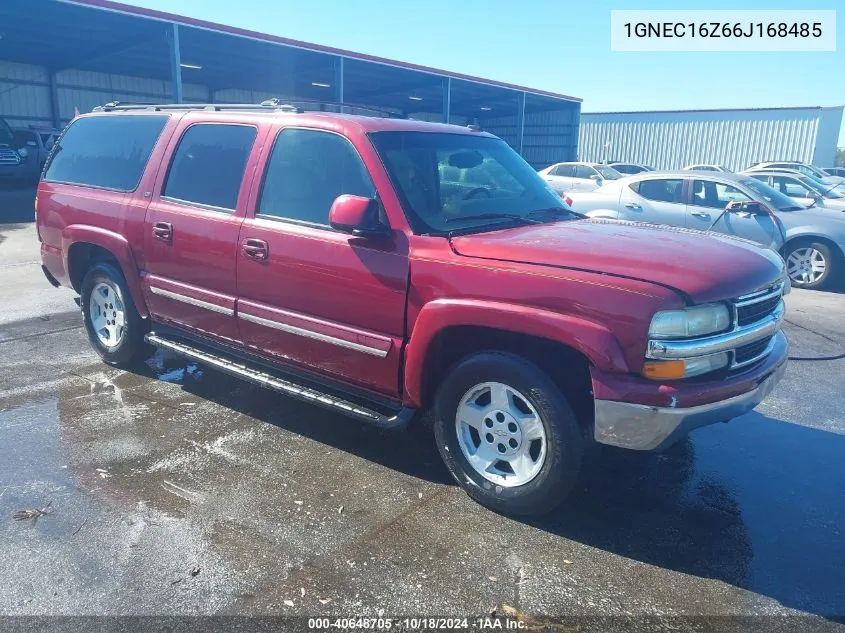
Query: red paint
364, 312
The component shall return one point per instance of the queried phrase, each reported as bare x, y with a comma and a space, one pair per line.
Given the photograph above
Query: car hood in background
704, 266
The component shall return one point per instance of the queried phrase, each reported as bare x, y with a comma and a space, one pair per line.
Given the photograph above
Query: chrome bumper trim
662, 350
642, 427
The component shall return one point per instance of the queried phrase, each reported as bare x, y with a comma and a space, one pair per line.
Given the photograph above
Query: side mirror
358, 216
748, 207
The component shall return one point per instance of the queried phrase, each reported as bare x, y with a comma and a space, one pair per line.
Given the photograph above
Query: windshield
5, 133
773, 198
443, 179
807, 170
819, 187
608, 173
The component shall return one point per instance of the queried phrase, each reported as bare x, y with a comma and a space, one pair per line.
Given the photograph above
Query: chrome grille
751, 353
9, 156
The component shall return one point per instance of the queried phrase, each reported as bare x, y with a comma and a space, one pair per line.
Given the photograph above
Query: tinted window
564, 170
582, 171
662, 189
717, 195
791, 187
108, 151
307, 171
208, 166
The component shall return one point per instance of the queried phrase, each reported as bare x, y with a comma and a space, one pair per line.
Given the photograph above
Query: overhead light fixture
413, 98
485, 108
191, 66
318, 84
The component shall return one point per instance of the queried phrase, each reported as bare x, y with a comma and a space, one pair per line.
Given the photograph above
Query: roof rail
270, 104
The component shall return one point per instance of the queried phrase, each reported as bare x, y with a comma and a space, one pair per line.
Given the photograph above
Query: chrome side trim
325, 338
768, 326
191, 301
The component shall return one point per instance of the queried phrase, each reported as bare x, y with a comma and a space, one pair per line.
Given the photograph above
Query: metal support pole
447, 99
54, 99
175, 62
521, 123
339, 82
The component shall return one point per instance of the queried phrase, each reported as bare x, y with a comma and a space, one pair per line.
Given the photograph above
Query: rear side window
661, 189
564, 170
108, 151
208, 166
307, 170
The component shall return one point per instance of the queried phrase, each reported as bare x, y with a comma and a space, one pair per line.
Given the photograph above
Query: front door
307, 294
192, 227
706, 212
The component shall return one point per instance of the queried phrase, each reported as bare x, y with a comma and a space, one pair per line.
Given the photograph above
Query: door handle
163, 231
700, 214
255, 249
633, 205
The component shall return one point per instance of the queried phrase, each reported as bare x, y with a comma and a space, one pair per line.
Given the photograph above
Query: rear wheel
114, 326
507, 434
810, 264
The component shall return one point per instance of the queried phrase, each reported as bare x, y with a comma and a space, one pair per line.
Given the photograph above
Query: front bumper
643, 427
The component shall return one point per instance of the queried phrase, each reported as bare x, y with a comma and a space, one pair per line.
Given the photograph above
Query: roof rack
270, 104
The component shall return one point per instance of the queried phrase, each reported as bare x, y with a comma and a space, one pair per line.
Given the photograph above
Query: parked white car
565, 177
811, 240
804, 168
704, 167
630, 168
803, 189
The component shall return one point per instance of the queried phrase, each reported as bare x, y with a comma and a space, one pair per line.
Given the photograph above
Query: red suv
384, 268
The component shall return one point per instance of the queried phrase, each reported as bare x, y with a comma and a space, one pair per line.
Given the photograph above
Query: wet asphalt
174, 490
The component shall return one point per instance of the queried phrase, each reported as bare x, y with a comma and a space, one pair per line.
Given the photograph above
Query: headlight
691, 322
23, 152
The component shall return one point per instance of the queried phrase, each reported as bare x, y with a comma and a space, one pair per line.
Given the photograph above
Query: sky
556, 45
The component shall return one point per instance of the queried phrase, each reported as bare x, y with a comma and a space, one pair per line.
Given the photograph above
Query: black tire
833, 262
131, 347
564, 439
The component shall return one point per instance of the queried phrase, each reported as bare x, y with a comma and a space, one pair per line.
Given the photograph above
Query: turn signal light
664, 369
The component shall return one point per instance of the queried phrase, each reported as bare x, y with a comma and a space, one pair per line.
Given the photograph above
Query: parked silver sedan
803, 189
812, 241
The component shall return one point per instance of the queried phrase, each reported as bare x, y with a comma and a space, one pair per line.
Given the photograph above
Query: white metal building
733, 138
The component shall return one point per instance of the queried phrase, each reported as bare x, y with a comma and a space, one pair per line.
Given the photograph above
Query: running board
400, 420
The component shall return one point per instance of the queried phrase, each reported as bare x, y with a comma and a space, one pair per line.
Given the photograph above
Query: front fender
117, 245
592, 339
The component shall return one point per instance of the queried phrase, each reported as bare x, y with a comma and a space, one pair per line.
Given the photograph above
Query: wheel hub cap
500, 434
107, 313
806, 265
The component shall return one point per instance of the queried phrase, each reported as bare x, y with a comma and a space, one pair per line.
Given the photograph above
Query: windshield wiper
558, 211
493, 216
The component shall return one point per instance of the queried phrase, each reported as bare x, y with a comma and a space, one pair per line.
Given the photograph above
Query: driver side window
715, 195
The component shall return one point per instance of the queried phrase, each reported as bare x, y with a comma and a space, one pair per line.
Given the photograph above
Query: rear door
654, 200
321, 299
562, 177
192, 226
708, 201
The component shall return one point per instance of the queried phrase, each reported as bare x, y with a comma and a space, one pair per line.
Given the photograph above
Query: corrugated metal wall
733, 138
25, 95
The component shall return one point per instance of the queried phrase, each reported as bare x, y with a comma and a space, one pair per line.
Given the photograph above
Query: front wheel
114, 326
811, 265
507, 434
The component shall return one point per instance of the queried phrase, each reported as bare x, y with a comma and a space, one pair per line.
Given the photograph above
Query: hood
703, 266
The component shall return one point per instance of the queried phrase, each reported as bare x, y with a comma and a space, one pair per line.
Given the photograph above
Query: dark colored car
383, 268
